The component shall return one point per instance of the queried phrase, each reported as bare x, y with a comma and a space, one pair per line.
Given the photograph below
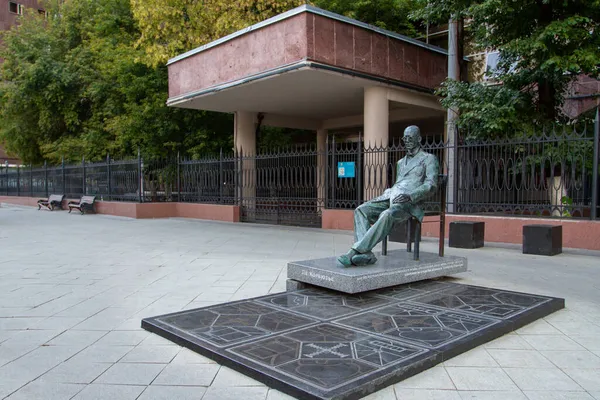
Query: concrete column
245, 143
245, 132
376, 135
321, 168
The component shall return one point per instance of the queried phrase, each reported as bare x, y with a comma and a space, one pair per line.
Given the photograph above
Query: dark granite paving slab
320, 344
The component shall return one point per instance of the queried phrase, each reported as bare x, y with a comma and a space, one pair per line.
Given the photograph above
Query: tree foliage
543, 44
73, 85
392, 15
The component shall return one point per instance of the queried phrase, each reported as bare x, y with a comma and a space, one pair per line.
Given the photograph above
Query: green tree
543, 45
392, 15
74, 85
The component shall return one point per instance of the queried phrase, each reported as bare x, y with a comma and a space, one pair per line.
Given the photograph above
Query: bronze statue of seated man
417, 176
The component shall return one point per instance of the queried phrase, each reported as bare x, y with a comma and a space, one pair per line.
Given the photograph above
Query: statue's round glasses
410, 139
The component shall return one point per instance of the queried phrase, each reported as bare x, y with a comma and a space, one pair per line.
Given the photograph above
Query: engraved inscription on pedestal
396, 268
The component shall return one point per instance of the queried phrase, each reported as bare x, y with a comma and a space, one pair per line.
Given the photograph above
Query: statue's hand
402, 198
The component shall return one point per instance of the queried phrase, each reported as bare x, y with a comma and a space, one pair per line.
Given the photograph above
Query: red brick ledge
213, 212
577, 234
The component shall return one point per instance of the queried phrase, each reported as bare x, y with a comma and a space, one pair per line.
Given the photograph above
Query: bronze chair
442, 184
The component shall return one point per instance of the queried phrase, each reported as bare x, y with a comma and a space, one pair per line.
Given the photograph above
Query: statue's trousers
382, 217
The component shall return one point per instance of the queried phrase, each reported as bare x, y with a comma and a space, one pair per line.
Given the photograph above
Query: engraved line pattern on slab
418, 324
361, 339
414, 289
324, 304
224, 325
330, 356
482, 301
320, 350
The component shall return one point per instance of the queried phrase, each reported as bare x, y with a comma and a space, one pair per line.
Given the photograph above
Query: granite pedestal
466, 234
396, 268
321, 344
545, 240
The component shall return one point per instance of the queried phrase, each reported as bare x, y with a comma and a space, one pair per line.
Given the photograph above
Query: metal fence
109, 180
551, 173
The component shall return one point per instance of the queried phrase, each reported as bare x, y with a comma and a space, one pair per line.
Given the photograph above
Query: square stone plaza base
396, 268
321, 344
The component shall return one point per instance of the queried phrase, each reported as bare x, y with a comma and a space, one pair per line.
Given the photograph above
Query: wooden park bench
54, 201
85, 204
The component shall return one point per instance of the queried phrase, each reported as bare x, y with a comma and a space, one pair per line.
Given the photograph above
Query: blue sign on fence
346, 170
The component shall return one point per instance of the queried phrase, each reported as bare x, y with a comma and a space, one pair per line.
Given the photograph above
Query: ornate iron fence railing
548, 174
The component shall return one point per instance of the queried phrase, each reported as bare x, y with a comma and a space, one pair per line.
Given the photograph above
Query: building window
43, 12
15, 8
491, 66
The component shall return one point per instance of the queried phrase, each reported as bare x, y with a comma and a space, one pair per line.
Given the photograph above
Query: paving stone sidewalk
73, 291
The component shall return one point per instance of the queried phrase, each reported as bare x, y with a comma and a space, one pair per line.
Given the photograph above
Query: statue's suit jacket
417, 176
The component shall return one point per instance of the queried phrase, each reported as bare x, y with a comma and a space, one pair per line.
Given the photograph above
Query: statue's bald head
412, 139
412, 130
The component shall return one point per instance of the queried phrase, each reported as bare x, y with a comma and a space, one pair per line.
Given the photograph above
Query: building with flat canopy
314, 70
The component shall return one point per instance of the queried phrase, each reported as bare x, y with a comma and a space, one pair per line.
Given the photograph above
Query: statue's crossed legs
373, 221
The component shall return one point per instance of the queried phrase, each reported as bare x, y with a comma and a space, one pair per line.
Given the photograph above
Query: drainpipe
451, 131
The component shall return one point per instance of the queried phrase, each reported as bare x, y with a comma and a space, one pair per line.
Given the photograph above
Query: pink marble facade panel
310, 36
380, 55
344, 45
206, 71
250, 54
240, 63
295, 41
362, 50
439, 68
425, 68
275, 49
396, 59
324, 40
225, 60
411, 64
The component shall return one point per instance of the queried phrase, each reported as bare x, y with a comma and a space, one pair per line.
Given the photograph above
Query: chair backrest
442, 182
87, 199
437, 202
56, 197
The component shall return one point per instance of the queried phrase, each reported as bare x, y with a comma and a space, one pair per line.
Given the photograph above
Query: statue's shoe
364, 259
345, 261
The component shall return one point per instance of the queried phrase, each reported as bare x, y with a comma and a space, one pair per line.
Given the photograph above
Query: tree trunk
547, 99
546, 91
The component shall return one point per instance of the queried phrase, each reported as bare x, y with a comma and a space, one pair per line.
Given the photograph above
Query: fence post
333, 174
241, 178
64, 178
18, 182
30, 180
108, 177
456, 172
84, 180
594, 210
326, 199
46, 177
6, 165
359, 171
221, 200
140, 177
178, 177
